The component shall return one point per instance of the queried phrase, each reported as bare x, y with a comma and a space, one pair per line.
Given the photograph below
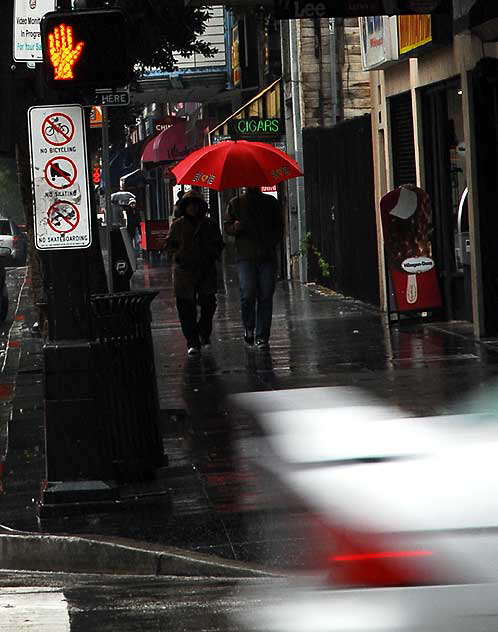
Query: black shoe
193, 351
249, 337
205, 343
261, 343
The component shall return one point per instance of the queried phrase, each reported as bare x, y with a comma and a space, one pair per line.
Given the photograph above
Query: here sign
59, 174
113, 97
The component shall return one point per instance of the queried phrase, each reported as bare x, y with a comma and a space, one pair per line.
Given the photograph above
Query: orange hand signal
62, 54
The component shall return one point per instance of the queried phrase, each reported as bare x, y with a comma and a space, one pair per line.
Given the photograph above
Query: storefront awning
124, 161
167, 146
135, 178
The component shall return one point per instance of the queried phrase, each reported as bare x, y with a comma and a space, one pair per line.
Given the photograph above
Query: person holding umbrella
255, 220
195, 242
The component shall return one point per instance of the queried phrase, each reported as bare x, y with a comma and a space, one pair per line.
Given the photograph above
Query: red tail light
15, 239
354, 559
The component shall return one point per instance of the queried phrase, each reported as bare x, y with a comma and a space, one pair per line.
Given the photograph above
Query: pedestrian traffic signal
85, 49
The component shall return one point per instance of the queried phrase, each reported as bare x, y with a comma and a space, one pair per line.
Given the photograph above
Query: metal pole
107, 180
333, 69
297, 131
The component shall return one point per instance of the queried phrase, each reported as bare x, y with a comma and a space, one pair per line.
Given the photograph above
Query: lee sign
59, 174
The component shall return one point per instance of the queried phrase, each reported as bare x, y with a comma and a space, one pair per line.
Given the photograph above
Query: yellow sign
235, 56
414, 31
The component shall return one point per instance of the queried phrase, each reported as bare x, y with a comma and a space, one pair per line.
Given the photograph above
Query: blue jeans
257, 286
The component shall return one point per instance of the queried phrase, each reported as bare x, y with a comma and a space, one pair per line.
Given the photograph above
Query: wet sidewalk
201, 499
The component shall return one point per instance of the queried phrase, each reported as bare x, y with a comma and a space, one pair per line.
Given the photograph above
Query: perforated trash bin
126, 378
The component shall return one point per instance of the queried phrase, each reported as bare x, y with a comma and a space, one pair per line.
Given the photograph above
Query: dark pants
196, 329
257, 286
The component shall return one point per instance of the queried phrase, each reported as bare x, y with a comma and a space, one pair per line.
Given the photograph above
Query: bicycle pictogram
57, 129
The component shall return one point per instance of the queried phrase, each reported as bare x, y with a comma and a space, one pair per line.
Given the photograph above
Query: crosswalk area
74, 602
43, 609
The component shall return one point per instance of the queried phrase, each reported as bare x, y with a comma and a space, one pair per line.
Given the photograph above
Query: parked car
398, 517
13, 238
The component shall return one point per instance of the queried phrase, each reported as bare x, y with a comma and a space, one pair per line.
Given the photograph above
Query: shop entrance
446, 183
485, 98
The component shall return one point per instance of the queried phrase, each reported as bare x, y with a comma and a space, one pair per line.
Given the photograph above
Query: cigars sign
407, 225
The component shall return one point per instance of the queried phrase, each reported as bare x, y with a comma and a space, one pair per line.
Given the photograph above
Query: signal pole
108, 206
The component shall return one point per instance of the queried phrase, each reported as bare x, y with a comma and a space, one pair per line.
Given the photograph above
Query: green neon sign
253, 126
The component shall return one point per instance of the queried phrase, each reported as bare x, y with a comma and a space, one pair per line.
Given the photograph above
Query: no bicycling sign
59, 172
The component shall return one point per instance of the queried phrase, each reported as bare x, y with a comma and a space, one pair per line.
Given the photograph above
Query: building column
380, 159
294, 133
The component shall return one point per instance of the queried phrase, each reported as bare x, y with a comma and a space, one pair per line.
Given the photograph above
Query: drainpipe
297, 133
333, 69
319, 56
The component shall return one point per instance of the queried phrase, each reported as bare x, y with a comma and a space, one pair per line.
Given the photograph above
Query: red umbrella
232, 164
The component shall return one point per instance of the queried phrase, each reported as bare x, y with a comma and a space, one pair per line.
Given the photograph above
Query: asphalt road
93, 603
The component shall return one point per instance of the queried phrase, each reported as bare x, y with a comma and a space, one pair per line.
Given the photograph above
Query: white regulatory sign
59, 174
27, 38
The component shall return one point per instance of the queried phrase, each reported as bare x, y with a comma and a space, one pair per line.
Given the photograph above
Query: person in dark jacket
195, 243
255, 220
132, 222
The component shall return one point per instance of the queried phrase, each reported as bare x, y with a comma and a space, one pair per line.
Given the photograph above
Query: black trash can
126, 383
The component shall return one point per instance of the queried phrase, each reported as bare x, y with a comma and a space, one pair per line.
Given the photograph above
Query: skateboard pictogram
57, 129
60, 172
63, 217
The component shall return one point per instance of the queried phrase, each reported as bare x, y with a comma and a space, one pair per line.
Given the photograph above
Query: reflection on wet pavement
208, 498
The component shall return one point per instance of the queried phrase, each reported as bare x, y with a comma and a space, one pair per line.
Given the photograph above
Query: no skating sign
59, 172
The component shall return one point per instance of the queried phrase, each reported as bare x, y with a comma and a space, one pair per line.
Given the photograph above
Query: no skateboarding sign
59, 171
63, 217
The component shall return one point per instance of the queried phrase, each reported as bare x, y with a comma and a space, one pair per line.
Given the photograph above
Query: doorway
446, 183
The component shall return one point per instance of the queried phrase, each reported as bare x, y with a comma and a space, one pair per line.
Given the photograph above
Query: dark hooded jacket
195, 244
260, 228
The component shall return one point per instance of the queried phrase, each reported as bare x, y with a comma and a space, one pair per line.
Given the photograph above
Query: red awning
147, 155
168, 146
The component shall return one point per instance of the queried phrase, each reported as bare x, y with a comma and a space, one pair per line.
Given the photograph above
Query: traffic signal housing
85, 49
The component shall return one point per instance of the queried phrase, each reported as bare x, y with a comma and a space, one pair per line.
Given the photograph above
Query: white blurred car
13, 238
399, 516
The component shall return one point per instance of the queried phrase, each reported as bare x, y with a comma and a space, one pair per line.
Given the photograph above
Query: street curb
80, 554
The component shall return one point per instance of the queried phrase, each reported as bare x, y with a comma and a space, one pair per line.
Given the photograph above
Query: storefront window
256, 108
